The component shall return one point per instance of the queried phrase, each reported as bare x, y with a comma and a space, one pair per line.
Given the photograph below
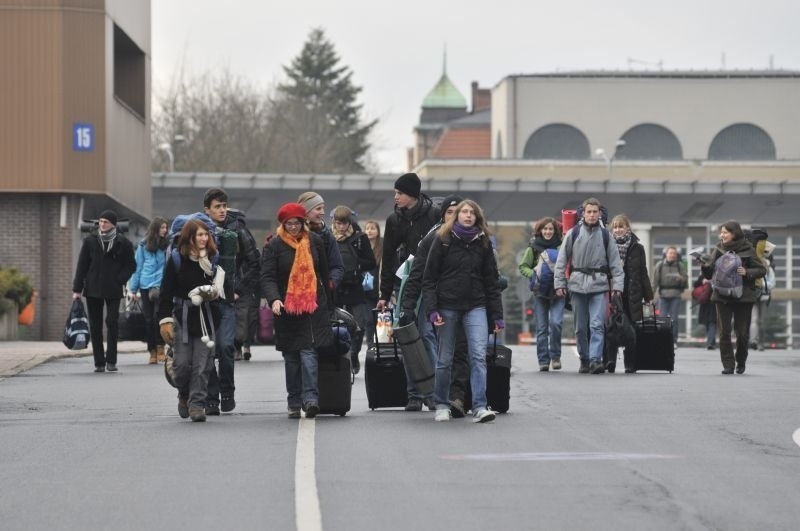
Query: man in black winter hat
413, 216
105, 264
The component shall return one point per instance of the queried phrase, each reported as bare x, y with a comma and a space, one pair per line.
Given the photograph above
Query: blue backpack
541, 283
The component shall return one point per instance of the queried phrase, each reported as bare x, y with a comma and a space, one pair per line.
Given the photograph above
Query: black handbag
132, 326
76, 331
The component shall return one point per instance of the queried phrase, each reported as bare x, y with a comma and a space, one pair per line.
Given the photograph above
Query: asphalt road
690, 450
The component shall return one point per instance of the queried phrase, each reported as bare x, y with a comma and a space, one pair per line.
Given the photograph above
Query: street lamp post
600, 152
166, 147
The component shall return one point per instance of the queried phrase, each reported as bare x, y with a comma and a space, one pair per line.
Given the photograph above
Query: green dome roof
444, 95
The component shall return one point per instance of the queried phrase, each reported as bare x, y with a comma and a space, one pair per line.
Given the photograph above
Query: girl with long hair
373, 231
187, 316
460, 287
145, 284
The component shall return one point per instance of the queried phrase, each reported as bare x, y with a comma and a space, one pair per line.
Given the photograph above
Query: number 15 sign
82, 137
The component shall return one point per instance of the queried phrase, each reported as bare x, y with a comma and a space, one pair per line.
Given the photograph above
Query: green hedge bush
14, 286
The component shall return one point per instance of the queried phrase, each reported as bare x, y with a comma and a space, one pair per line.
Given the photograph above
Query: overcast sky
395, 48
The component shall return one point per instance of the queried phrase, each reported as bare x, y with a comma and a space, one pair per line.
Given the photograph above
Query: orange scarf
301, 294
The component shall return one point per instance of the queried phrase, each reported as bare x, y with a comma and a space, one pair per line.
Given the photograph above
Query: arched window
649, 142
742, 142
557, 141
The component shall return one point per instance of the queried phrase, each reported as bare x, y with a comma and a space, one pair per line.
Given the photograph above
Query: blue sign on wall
82, 137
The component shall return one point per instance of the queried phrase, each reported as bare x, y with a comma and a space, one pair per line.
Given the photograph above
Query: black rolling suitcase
385, 376
335, 376
654, 348
498, 378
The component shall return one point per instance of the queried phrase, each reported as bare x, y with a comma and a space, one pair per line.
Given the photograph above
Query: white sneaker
442, 415
483, 415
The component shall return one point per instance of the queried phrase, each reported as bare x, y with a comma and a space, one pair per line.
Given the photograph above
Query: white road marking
557, 456
796, 436
306, 501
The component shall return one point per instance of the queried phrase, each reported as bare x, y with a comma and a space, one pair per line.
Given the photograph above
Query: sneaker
246, 353
197, 414
442, 415
556, 365
596, 367
228, 403
430, 404
212, 409
584, 368
101, 368
544, 367
293, 413
457, 408
183, 407
311, 409
111, 367
483, 415
414, 404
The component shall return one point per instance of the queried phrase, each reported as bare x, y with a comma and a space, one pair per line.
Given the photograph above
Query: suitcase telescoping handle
378, 343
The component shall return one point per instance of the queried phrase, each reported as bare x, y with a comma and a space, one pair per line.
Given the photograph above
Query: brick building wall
34, 243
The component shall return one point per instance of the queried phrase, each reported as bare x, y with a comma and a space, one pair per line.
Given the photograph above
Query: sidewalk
19, 356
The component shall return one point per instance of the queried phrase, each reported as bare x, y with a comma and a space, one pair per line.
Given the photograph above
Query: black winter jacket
100, 274
175, 286
402, 234
462, 276
637, 282
350, 291
296, 332
413, 286
247, 258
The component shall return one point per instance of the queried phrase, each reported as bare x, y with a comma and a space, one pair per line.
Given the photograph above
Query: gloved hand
499, 324
206, 292
435, 317
167, 330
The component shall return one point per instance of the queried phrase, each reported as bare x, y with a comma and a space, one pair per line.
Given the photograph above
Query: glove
434, 316
167, 330
499, 324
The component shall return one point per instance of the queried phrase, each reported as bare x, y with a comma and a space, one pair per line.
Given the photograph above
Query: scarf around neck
107, 239
623, 244
342, 236
466, 234
203, 261
301, 293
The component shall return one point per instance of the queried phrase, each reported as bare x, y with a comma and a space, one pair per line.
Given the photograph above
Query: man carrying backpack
594, 261
670, 279
240, 261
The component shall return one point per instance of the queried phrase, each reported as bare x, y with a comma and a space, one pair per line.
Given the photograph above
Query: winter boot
152, 360
160, 356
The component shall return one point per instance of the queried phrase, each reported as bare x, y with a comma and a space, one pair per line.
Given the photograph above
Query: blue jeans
711, 334
302, 368
589, 310
549, 318
225, 348
428, 336
671, 307
477, 331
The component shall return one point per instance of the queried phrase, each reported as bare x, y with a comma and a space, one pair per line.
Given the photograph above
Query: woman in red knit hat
293, 280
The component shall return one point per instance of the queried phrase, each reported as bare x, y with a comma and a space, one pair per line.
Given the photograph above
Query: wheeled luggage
385, 376
335, 376
654, 348
498, 378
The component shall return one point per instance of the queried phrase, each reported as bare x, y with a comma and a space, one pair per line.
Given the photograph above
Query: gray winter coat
670, 279
588, 252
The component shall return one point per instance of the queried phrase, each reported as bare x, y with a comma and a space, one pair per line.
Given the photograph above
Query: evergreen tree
319, 109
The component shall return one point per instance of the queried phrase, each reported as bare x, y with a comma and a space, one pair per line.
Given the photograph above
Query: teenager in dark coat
294, 279
105, 264
707, 315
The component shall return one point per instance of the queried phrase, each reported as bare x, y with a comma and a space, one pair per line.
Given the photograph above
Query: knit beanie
110, 215
409, 184
310, 200
449, 201
291, 210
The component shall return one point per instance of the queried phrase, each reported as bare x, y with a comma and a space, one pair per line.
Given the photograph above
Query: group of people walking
592, 264
189, 279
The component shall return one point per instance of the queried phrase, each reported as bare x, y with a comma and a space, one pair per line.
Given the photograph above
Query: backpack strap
546, 257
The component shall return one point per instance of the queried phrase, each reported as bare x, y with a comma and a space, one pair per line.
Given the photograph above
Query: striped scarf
301, 294
623, 243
